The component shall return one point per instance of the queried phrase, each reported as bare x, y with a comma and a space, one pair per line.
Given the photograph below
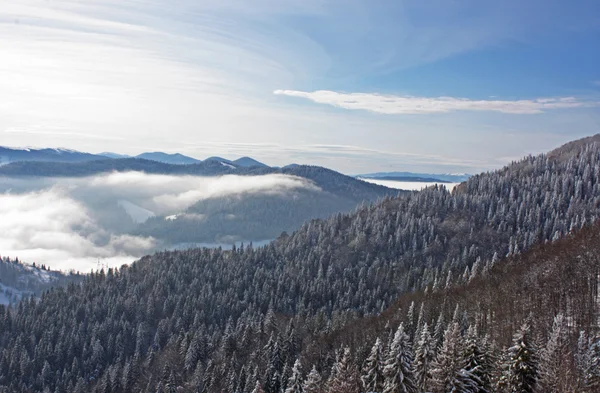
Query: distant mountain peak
16, 154
219, 159
168, 158
248, 162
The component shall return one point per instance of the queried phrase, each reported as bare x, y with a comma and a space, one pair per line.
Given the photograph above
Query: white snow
227, 165
408, 185
137, 213
5, 300
42, 275
172, 217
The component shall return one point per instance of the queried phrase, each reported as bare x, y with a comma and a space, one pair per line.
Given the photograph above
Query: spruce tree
522, 366
344, 377
424, 358
312, 384
551, 372
449, 373
294, 384
372, 377
398, 372
258, 388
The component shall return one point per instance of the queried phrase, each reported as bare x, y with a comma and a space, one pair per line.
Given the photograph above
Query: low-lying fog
408, 185
74, 223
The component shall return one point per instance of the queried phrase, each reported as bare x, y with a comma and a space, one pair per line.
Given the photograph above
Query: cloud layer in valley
74, 223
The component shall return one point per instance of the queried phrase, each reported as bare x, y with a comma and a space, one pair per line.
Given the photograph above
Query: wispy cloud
396, 105
128, 76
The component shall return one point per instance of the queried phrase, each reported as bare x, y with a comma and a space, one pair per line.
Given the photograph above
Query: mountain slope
178, 159
18, 281
62, 169
256, 217
8, 155
108, 154
248, 162
214, 320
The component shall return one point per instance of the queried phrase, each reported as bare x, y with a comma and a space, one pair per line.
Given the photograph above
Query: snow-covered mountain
10, 154
19, 280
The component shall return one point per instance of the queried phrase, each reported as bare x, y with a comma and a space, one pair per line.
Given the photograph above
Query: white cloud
72, 223
395, 105
166, 194
52, 228
133, 76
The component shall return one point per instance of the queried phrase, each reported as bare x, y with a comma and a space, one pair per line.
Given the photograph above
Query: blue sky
358, 86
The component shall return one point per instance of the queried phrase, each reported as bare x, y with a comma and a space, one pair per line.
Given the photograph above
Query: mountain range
10, 155
19, 156
490, 288
217, 220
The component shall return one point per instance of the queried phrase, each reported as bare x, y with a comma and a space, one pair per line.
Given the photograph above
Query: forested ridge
260, 216
420, 292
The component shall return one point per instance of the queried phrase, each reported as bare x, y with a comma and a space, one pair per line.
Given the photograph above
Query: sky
439, 86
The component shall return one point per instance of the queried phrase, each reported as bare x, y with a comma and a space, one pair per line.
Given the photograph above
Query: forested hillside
256, 217
18, 280
237, 321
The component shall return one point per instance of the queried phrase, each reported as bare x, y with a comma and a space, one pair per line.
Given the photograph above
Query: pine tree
449, 373
398, 372
424, 358
192, 354
312, 384
294, 384
258, 388
372, 377
522, 367
477, 361
591, 373
552, 368
344, 377
582, 359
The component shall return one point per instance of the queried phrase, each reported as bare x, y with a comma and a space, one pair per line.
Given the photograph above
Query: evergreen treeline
280, 318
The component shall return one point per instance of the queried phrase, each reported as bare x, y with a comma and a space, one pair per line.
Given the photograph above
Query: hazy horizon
353, 86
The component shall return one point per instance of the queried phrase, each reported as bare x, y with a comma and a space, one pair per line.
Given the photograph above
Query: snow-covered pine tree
424, 357
398, 371
410, 321
372, 377
258, 388
449, 373
591, 374
312, 384
345, 377
582, 359
522, 363
438, 331
551, 375
294, 384
477, 360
